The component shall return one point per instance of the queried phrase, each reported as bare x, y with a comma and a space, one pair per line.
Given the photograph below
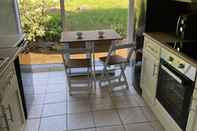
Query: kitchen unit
11, 36
159, 16
15, 41
9, 14
11, 110
150, 63
168, 81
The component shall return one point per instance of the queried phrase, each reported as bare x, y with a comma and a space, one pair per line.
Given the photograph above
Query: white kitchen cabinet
11, 106
149, 74
192, 120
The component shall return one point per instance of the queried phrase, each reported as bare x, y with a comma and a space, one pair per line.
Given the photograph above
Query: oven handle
171, 74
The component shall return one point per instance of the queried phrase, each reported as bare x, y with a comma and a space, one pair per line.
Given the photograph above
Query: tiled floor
50, 108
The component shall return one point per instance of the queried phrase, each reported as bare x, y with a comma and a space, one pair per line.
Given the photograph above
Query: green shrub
37, 22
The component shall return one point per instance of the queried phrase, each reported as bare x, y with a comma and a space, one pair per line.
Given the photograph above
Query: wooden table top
71, 36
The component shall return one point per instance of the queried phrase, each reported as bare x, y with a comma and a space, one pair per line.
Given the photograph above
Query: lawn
80, 15
97, 14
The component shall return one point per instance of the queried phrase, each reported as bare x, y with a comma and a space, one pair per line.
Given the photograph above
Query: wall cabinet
149, 74
12, 117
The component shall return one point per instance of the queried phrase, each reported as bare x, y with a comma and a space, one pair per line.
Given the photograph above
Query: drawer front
6, 80
151, 47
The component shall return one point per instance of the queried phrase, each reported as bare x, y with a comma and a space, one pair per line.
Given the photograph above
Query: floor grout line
67, 101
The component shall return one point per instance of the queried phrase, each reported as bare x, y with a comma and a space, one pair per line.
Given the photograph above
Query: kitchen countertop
7, 41
8, 52
162, 38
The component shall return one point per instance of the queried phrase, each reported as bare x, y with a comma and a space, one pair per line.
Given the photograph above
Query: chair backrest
130, 46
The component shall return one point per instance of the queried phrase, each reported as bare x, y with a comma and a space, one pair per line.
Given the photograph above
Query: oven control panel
179, 64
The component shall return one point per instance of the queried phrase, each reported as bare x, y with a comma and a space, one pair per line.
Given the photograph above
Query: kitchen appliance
154, 16
188, 48
186, 27
176, 81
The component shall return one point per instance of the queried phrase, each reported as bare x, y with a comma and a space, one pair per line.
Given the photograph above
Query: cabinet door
12, 107
16, 106
149, 75
3, 124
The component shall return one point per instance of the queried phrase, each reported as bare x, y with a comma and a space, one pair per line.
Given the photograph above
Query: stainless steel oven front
175, 87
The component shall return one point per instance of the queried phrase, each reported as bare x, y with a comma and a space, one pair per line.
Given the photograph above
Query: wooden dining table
91, 37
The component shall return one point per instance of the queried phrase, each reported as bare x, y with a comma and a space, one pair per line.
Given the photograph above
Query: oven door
174, 92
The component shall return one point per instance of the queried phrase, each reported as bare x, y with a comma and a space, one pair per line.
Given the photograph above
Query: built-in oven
176, 82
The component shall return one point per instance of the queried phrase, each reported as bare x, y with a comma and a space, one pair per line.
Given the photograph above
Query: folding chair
71, 64
119, 63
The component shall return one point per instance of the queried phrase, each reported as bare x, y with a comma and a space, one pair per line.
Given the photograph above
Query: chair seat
77, 63
114, 59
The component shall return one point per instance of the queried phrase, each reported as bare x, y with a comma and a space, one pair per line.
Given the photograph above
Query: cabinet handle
5, 119
154, 69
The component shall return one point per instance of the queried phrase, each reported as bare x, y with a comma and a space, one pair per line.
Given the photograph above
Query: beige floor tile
55, 97
127, 92
102, 103
35, 99
34, 90
112, 128
78, 97
149, 114
34, 111
89, 129
57, 123
101, 92
124, 101
106, 118
105, 106
140, 100
54, 109
101, 100
56, 87
157, 126
80, 121
139, 127
132, 115
78, 106
32, 125
39, 83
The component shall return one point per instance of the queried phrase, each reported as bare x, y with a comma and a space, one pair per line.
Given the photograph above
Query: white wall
8, 22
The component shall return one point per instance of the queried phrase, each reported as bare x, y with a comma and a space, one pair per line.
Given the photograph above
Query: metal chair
119, 63
76, 80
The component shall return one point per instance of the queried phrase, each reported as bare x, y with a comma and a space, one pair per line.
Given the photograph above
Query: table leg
94, 64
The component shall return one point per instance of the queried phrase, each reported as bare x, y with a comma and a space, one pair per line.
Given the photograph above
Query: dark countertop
12, 53
161, 38
7, 41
